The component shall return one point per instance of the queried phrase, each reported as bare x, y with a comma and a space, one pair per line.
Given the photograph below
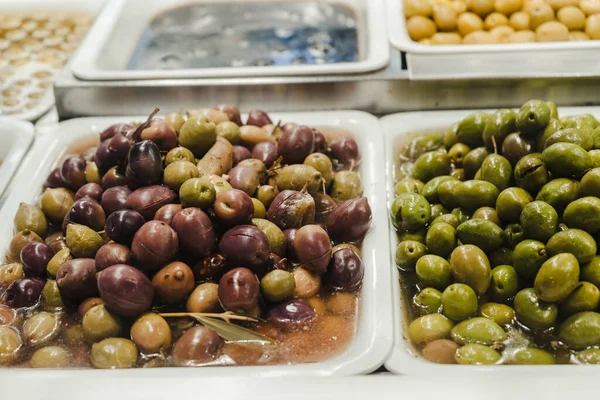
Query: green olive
407, 254
457, 153
575, 241
56, 203
430, 189
528, 257
434, 271
497, 127
590, 272
510, 203
178, 172
470, 129
114, 353
99, 323
51, 299
151, 333
179, 154
559, 193
176, 120
583, 213
50, 357
459, 302
504, 284
198, 134
553, 126
533, 117
501, 256
532, 356
557, 278
478, 330
566, 160
513, 235
32, 218
321, 163
430, 165
580, 137
11, 343
408, 185
497, 170
585, 297
450, 138
470, 265
274, 235
473, 160
40, 328
277, 285
487, 213
92, 173
10, 273
441, 239
346, 185
446, 192
532, 312
410, 211
590, 184
499, 313
82, 241
429, 300
422, 144
266, 194
197, 192
57, 260
476, 354
230, 131
539, 220
482, 233
449, 219
531, 173
429, 328
474, 194
259, 209
580, 330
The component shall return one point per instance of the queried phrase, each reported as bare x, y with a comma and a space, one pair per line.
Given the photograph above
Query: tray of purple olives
197, 240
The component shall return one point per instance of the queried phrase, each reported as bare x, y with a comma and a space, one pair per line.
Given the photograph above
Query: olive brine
189, 241
498, 221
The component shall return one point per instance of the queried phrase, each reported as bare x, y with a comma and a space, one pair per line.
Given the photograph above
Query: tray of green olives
197, 240
495, 218
496, 38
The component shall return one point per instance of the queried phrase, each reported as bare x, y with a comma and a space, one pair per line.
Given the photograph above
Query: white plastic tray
516, 60
404, 358
15, 139
106, 50
373, 339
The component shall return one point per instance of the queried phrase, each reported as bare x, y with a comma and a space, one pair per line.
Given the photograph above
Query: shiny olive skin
497, 127
233, 207
292, 209
533, 117
148, 200
98, 323
258, 118
114, 353
350, 221
473, 194
161, 133
482, 233
408, 253
245, 245
320, 142
178, 172
575, 241
345, 271
76, 279
154, 245
428, 328
531, 173
290, 237
292, 314
510, 203
114, 199
539, 220
476, 354
429, 300
324, 206
345, 151
151, 333
528, 256
24, 292
144, 164
313, 248
410, 211
440, 239
10, 273
56, 241
277, 286
20, 240
167, 212
125, 290
239, 291
497, 170
173, 282
113, 130
580, 330
50, 357
557, 278
566, 160
87, 305
321, 163
559, 193
266, 194
245, 178
265, 152
499, 313
112, 254
430, 189
92, 190
459, 302
198, 134
501, 256
72, 172
32, 218
179, 154
470, 129
471, 266
532, 312
408, 185
35, 256
583, 213
204, 298
295, 145
121, 226
473, 160
515, 147
478, 330
88, 212
198, 345
113, 177
430, 165
240, 153
277, 239
504, 284
54, 179
590, 183
195, 231
51, 298
580, 137
513, 235
56, 203
434, 271
585, 297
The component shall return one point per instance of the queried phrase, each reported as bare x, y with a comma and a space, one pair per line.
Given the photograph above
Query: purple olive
324, 206
240, 153
197, 346
125, 290
167, 212
239, 291
91, 190
122, 225
345, 271
86, 211
320, 142
296, 145
195, 231
25, 292
265, 152
35, 257
258, 118
289, 126
112, 254
350, 221
245, 245
234, 207
313, 248
54, 180
113, 130
292, 209
292, 314
103, 158
244, 177
210, 268
114, 199
149, 199
119, 146
345, 151
161, 133
76, 279
113, 177
232, 112
144, 165
154, 245
72, 172
290, 236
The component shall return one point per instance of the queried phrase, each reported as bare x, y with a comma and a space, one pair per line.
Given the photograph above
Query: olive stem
494, 144
227, 316
138, 132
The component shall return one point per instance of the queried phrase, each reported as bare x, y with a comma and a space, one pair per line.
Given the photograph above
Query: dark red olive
234, 207
197, 346
258, 118
515, 146
290, 236
245, 178
232, 112
54, 180
245, 245
144, 165
265, 152
345, 151
113, 177
239, 291
72, 172
292, 314
313, 248
210, 268
122, 225
154, 245
119, 145
35, 257
76, 279
161, 133
345, 271
195, 231
292, 209
296, 145
113, 130
91, 190
25, 292
114, 199
167, 212
148, 200
56, 241
320, 142
103, 158
350, 221
86, 211
112, 254
125, 290
324, 206
240, 153
289, 126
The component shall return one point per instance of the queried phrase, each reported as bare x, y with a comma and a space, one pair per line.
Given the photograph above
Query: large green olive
474, 194
429, 300
471, 266
83, 242
590, 183
459, 302
566, 160
441, 239
56, 203
32, 218
476, 354
51, 299
40, 328
473, 160
50, 357
532, 312
499, 313
457, 153
583, 213
179, 154
528, 257
580, 137
531, 173
532, 356
197, 192
178, 172
497, 127
407, 254
575, 241
580, 330
470, 129
430, 165
151, 333
321, 163
429, 328
430, 189
198, 134
533, 117
408, 185
410, 211
590, 272
559, 193
99, 323
585, 297
504, 284
278, 285
447, 192
478, 330
497, 170
482, 233
557, 278
539, 220
346, 185
434, 271
114, 353
11, 344
510, 203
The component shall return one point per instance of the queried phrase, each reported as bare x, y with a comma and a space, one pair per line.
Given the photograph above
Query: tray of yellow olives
454, 39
